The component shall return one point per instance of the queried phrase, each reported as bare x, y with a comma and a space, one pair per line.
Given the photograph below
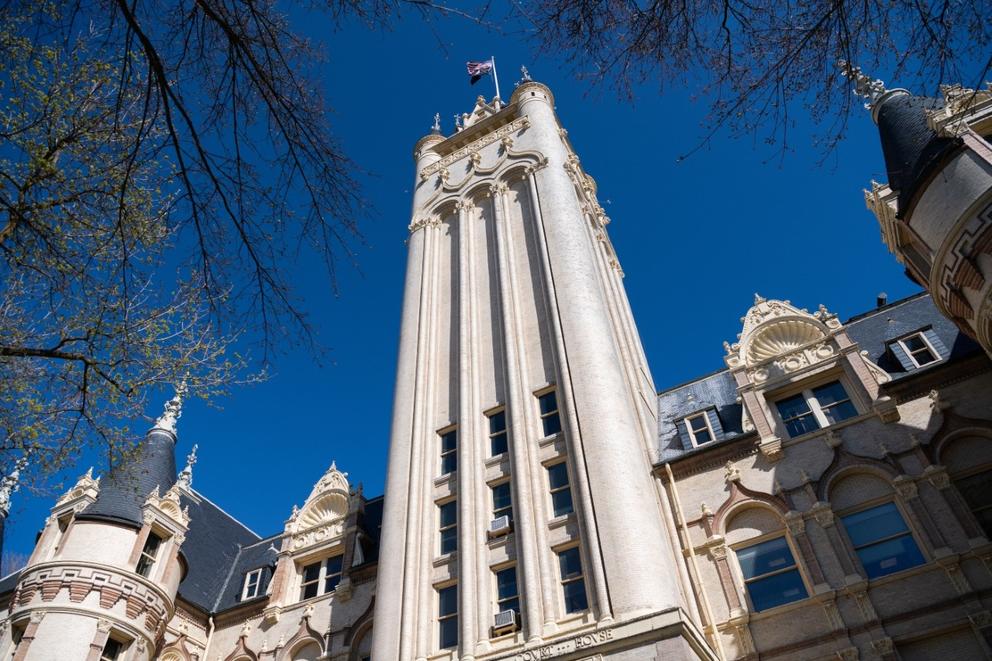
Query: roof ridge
888, 306
227, 514
227, 581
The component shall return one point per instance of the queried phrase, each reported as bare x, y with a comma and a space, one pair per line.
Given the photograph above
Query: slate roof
126, 487
262, 554
872, 330
213, 544
911, 148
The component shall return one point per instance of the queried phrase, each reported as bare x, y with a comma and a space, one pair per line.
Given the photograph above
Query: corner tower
520, 515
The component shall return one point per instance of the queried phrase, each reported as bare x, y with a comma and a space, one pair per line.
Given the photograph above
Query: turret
102, 580
935, 211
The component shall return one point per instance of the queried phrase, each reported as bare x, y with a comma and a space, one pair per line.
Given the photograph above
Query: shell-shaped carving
327, 508
780, 337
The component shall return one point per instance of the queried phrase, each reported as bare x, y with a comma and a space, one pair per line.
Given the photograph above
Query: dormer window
148, 555
918, 350
320, 577
253, 584
815, 408
699, 428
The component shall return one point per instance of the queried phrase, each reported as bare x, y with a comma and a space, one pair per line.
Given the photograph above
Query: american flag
478, 69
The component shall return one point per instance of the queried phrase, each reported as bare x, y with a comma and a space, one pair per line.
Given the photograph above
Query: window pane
331, 582
311, 572
562, 502
449, 463
447, 600
509, 605
839, 412
334, 564
915, 343
449, 440
552, 425
698, 423
501, 496
548, 402
874, 524
575, 596
497, 422
558, 475
765, 557
449, 540
890, 556
976, 489
449, 632
803, 425
829, 393
506, 583
792, 407
776, 590
497, 445
310, 590
570, 563
449, 514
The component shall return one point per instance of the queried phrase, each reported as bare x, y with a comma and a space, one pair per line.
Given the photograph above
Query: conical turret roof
152, 465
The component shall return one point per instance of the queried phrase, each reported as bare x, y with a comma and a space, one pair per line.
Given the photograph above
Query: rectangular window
699, 430
447, 617
882, 540
548, 405
816, 408
112, 650
497, 433
449, 526
325, 574
502, 501
148, 555
770, 574
253, 582
573, 584
977, 493
919, 350
561, 491
449, 451
507, 598
332, 573
311, 581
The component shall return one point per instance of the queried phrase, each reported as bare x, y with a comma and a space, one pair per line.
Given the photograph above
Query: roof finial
10, 484
864, 85
758, 298
524, 76
436, 129
186, 475
173, 409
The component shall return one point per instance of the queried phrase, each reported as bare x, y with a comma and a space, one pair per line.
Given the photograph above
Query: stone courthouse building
827, 495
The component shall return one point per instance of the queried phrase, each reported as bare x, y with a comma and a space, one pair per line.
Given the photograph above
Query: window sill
499, 540
561, 521
446, 478
548, 440
445, 559
497, 460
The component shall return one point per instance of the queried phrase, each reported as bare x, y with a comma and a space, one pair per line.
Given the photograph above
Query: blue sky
695, 238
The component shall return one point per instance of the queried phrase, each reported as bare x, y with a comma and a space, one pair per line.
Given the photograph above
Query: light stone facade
516, 330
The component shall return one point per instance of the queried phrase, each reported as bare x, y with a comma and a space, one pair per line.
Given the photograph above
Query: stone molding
80, 579
475, 146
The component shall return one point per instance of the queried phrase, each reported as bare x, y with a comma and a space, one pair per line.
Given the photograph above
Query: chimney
881, 300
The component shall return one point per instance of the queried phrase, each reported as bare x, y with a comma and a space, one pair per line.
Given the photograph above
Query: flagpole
495, 77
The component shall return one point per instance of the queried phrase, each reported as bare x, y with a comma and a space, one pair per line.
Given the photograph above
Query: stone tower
102, 580
521, 519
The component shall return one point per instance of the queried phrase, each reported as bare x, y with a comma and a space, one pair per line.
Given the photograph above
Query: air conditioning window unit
499, 526
506, 621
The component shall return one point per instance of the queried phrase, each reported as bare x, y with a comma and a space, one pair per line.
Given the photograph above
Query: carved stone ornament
906, 487
937, 476
168, 506
777, 339
731, 473
848, 654
823, 515
86, 487
322, 517
883, 646
981, 619
475, 146
794, 521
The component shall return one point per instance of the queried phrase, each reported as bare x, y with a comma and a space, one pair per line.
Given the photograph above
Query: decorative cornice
475, 146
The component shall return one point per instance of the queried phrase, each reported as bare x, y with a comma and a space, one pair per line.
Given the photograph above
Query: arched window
969, 463
875, 525
766, 558
307, 652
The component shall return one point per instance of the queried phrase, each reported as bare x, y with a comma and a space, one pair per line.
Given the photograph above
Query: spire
10, 484
173, 410
864, 85
186, 475
149, 466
